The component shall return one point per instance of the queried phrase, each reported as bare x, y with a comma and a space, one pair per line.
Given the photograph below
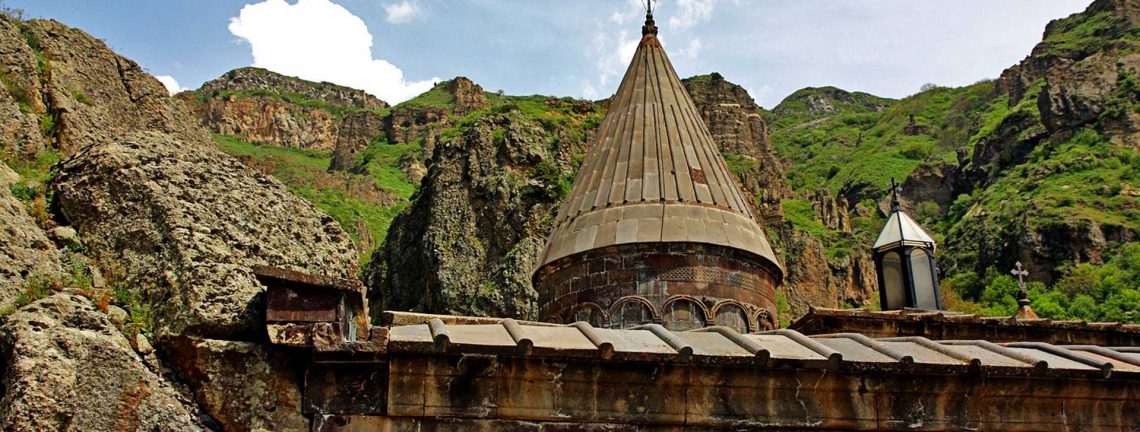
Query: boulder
184, 223
243, 386
66, 367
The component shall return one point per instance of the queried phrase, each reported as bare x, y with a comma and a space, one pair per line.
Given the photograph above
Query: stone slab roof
953, 325
722, 346
654, 174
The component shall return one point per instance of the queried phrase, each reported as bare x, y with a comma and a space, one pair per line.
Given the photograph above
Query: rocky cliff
129, 303
734, 120
1052, 183
1036, 166
475, 230
260, 106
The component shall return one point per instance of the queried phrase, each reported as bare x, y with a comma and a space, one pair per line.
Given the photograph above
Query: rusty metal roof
722, 345
653, 173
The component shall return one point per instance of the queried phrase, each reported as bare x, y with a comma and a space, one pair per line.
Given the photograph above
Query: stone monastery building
658, 302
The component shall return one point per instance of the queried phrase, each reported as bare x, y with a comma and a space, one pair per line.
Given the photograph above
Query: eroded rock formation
185, 222
67, 367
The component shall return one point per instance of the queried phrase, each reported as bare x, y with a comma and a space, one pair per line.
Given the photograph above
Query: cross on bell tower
895, 190
1023, 309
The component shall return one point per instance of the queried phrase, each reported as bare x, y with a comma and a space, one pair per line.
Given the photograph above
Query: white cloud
691, 12
321, 41
170, 83
691, 51
402, 12
613, 46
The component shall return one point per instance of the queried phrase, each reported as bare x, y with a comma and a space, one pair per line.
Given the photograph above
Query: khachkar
655, 229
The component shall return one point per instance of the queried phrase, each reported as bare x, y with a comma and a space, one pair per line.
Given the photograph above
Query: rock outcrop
260, 106
77, 91
1076, 93
735, 122
27, 251
240, 385
468, 243
67, 367
185, 223
173, 226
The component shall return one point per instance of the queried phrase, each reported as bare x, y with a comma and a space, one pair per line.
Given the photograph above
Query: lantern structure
905, 263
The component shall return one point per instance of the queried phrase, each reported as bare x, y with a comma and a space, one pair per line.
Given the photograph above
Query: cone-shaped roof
653, 173
902, 230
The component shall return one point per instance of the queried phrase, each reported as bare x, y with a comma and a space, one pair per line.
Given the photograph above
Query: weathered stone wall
478, 393
624, 285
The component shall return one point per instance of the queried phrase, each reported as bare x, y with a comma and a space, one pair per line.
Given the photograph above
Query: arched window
590, 313
630, 312
893, 281
683, 314
923, 273
732, 316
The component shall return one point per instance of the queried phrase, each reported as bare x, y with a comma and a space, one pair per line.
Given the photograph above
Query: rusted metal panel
292, 304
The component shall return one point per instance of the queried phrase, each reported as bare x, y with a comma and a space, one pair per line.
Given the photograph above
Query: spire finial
650, 27
895, 189
1023, 309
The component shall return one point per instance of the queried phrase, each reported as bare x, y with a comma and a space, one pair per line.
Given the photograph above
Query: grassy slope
354, 200
380, 189
860, 146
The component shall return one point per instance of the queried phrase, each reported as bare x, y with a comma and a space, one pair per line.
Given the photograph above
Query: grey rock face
67, 368
470, 241
25, 251
243, 386
185, 222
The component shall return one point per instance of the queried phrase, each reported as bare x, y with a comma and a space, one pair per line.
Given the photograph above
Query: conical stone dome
654, 187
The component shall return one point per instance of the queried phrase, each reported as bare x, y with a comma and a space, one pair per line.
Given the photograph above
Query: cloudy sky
396, 49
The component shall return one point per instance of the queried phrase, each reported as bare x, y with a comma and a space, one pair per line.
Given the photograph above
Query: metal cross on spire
895, 189
650, 27
1023, 309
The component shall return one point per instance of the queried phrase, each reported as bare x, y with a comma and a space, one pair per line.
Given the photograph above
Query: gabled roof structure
653, 173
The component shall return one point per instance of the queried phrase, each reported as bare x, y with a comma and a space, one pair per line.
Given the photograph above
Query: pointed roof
902, 230
653, 172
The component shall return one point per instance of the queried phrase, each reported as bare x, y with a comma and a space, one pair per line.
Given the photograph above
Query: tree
928, 87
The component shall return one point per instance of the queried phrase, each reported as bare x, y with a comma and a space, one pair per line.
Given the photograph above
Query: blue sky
397, 48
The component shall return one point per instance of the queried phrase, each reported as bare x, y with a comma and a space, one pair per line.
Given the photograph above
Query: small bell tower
904, 262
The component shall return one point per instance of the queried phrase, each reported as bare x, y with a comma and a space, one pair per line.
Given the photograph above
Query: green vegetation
554, 184
838, 244
1085, 33
382, 162
1105, 293
740, 164
33, 191
363, 204
81, 97
437, 97
23, 99
861, 144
